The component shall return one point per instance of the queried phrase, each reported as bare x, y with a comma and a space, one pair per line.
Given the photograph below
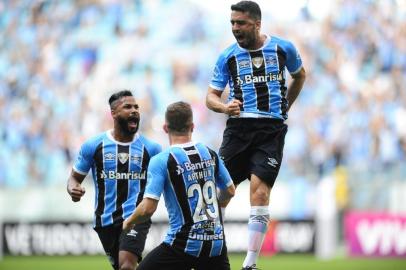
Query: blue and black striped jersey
119, 174
257, 77
188, 175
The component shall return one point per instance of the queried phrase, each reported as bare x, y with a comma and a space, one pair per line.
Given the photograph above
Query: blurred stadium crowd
60, 60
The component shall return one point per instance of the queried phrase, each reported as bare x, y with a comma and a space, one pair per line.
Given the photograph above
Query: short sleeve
84, 160
156, 177
220, 74
293, 59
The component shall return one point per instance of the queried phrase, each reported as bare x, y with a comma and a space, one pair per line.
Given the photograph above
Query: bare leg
127, 260
259, 192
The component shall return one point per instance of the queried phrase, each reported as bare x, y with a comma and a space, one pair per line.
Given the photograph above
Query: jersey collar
182, 145
109, 134
266, 42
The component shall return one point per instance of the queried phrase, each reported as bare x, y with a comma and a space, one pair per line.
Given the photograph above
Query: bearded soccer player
255, 69
118, 159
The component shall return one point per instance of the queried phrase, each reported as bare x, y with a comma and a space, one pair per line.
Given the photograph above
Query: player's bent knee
127, 266
260, 198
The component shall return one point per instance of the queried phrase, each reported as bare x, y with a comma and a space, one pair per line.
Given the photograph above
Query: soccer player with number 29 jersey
194, 182
119, 160
255, 69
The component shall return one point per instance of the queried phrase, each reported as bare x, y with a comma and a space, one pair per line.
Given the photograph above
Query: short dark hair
251, 7
179, 117
118, 95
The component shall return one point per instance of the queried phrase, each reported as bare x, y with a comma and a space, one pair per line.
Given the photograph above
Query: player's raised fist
76, 192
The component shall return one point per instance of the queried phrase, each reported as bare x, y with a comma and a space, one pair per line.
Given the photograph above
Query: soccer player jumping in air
258, 103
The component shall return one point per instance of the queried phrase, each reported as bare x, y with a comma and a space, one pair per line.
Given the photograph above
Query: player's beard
123, 123
248, 41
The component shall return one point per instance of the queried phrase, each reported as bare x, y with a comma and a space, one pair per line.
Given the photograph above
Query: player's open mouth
133, 122
239, 37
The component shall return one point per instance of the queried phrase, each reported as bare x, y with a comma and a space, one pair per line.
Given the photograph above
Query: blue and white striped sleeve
220, 76
156, 177
84, 160
293, 59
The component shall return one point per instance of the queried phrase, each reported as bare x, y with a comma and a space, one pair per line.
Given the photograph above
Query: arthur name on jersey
196, 176
122, 176
271, 76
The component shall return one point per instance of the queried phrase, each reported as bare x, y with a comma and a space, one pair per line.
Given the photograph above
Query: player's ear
258, 25
165, 127
192, 126
113, 113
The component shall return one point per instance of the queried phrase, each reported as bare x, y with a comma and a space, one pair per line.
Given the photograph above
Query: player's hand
76, 192
127, 226
233, 107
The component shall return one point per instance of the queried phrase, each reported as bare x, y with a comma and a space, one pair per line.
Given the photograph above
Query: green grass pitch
278, 262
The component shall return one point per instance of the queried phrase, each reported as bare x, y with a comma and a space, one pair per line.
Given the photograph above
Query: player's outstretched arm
142, 213
74, 188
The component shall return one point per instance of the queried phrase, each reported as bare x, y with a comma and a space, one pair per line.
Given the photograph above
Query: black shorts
164, 257
253, 146
114, 239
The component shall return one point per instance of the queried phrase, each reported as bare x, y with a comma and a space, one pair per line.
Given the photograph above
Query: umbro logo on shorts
272, 162
132, 233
